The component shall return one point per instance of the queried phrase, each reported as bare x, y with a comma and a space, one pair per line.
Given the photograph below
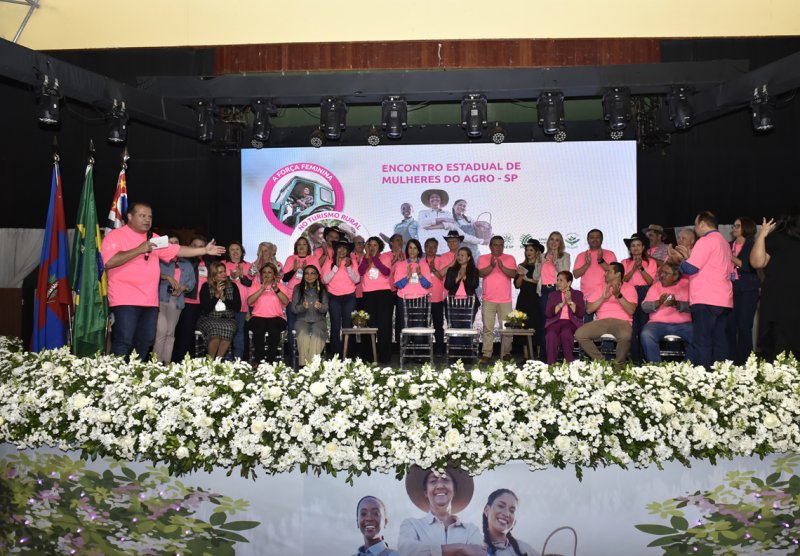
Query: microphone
149, 237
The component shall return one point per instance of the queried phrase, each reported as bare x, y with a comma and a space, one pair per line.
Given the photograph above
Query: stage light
118, 123
374, 136
49, 99
550, 105
473, 114
332, 117
261, 110
761, 110
205, 120
680, 110
316, 138
498, 134
616, 135
394, 116
617, 108
561, 135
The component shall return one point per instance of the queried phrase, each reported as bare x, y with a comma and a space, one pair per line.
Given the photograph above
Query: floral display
747, 515
347, 416
516, 319
360, 318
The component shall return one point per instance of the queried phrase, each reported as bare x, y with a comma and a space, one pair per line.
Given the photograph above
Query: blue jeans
651, 335
710, 339
238, 339
134, 328
340, 307
740, 324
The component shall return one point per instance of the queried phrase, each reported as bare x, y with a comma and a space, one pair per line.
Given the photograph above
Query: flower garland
348, 416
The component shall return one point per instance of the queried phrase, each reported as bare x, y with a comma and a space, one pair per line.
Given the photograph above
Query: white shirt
425, 536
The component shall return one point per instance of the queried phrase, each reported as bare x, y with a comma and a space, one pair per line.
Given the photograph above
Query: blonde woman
555, 260
219, 302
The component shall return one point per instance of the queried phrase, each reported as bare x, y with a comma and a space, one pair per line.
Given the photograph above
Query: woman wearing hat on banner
526, 281
462, 223
371, 518
640, 271
499, 518
440, 531
340, 276
432, 221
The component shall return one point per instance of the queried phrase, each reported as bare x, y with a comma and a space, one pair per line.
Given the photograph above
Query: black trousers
379, 305
260, 326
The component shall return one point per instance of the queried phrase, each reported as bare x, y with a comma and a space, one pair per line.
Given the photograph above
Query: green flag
88, 277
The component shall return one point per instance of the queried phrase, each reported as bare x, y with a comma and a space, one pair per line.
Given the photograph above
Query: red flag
119, 206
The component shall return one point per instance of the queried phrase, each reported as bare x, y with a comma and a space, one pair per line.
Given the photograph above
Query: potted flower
516, 319
360, 318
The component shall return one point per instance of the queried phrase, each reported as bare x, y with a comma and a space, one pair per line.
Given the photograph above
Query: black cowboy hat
344, 243
453, 234
640, 237
535, 244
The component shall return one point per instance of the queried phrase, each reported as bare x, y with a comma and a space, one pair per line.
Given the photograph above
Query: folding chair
416, 336
461, 338
280, 354
201, 347
672, 348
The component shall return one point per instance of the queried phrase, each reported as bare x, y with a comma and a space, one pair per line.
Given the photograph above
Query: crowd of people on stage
703, 290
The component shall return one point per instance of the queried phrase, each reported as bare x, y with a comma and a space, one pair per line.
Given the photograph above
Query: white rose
317, 389
105, 417
563, 443
452, 438
237, 385
47, 366
257, 427
771, 421
345, 384
520, 378
146, 403
79, 401
391, 382
477, 376
274, 392
667, 408
702, 433
614, 408
413, 390
452, 401
331, 448
182, 452
127, 443
266, 451
205, 421
112, 376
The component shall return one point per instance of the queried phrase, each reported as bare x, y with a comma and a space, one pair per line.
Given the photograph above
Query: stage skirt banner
53, 502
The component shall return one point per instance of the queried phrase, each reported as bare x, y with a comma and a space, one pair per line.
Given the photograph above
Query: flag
119, 206
88, 277
53, 299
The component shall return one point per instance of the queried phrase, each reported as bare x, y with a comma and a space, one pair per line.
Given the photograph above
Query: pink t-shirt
243, 266
202, 278
595, 277
341, 283
669, 315
268, 305
374, 280
135, 282
413, 287
496, 285
650, 266
436, 290
461, 292
548, 273
711, 285
564, 310
611, 308
735, 250
298, 275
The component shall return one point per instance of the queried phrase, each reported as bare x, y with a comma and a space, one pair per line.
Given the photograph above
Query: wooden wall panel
434, 54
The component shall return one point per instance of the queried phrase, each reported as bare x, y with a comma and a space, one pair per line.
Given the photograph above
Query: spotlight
561, 135
550, 105
374, 136
261, 110
316, 138
617, 134
761, 110
205, 120
49, 99
473, 114
394, 116
617, 108
680, 111
118, 123
498, 134
332, 117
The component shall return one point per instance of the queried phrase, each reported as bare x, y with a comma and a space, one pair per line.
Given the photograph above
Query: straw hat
426, 195
463, 487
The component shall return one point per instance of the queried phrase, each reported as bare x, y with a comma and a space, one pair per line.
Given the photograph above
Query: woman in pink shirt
412, 276
375, 271
237, 269
563, 315
268, 299
640, 271
293, 274
340, 276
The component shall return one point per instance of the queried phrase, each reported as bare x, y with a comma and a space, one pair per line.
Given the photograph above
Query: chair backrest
460, 311
417, 312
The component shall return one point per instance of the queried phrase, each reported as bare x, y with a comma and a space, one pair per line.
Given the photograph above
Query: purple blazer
555, 298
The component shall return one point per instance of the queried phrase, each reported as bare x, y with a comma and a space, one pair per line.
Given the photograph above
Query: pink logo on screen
300, 190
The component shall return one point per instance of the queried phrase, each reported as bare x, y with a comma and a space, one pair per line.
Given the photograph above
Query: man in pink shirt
613, 306
667, 303
709, 269
591, 265
133, 277
497, 271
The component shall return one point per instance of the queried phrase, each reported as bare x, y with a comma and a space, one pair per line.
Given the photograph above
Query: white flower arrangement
349, 416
